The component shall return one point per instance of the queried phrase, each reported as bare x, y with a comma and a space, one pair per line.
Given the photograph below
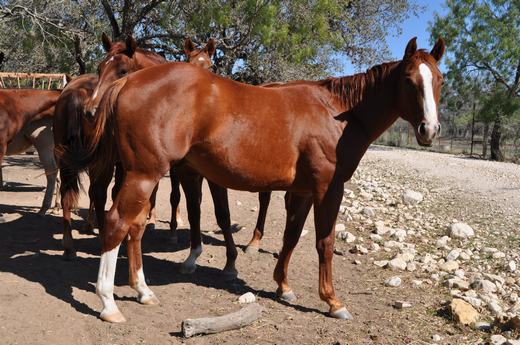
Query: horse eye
123, 72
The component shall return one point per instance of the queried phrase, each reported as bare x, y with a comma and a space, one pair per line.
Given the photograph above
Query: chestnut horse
25, 120
306, 138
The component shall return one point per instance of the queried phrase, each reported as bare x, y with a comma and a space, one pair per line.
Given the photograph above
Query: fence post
472, 129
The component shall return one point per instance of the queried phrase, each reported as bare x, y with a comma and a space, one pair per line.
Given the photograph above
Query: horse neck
369, 98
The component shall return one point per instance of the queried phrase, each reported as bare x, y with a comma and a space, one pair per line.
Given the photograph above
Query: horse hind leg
152, 214
254, 245
127, 215
221, 204
191, 184
43, 141
175, 198
297, 210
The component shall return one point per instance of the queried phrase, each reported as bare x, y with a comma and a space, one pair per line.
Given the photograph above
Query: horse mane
351, 90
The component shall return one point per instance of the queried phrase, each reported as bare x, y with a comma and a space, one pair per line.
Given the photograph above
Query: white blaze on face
94, 95
429, 106
201, 58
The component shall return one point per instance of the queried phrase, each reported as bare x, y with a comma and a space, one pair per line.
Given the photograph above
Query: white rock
513, 342
442, 242
458, 283
248, 297
340, 227
436, 338
498, 339
499, 255
400, 235
402, 304
453, 254
376, 237
484, 285
359, 249
411, 197
348, 237
411, 266
512, 266
393, 281
397, 263
461, 230
449, 266
381, 228
495, 308
381, 263
369, 211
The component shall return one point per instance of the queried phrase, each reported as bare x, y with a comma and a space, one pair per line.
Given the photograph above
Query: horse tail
69, 142
95, 150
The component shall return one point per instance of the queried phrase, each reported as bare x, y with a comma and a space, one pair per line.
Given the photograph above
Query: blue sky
413, 26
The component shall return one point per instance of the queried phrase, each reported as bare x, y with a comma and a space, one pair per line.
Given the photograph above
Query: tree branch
116, 31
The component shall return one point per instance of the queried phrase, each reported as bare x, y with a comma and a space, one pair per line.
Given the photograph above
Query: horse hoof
341, 313
150, 227
115, 317
230, 273
41, 213
287, 296
251, 250
149, 300
188, 269
69, 255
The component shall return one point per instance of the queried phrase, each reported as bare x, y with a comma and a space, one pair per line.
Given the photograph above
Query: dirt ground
45, 300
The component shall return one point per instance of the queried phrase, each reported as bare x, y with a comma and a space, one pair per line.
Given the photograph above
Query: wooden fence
14, 80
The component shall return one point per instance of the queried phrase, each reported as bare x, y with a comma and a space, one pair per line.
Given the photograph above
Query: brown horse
25, 120
306, 137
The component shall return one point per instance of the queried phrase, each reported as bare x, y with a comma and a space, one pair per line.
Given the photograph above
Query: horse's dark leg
98, 193
68, 196
220, 201
191, 183
325, 213
297, 207
89, 227
175, 199
264, 198
152, 215
126, 216
3, 150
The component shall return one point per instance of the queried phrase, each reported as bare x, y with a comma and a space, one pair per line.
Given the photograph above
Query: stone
484, 285
369, 211
463, 312
402, 305
482, 326
453, 254
376, 237
474, 301
393, 281
495, 308
511, 266
346, 236
340, 227
381, 263
248, 297
461, 230
449, 266
381, 228
442, 242
411, 266
499, 255
458, 283
400, 235
498, 339
411, 197
359, 249
512, 342
397, 263
436, 338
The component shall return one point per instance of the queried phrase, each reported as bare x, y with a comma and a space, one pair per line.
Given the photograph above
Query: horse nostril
439, 129
422, 129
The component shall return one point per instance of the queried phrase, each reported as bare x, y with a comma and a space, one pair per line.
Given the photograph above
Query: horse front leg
297, 207
221, 203
3, 149
152, 214
325, 213
254, 245
98, 194
44, 144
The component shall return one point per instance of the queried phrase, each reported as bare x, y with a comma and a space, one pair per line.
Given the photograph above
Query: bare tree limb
116, 31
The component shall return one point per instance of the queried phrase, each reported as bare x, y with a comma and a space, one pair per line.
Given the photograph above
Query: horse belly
242, 172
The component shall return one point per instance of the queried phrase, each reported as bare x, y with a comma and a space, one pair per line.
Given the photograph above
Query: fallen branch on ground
209, 325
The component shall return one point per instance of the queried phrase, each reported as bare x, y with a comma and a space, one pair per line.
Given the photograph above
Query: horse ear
210, 47
188, 46
410, 49
131, 45
107, 42
68, 78
438, 49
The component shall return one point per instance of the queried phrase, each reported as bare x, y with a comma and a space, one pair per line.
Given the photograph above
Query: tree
258, 40
483, 36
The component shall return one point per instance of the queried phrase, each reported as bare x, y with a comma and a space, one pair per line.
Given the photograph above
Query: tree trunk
496, 135
485, 140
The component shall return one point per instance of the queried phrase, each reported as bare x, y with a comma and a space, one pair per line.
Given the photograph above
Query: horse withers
306, 137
